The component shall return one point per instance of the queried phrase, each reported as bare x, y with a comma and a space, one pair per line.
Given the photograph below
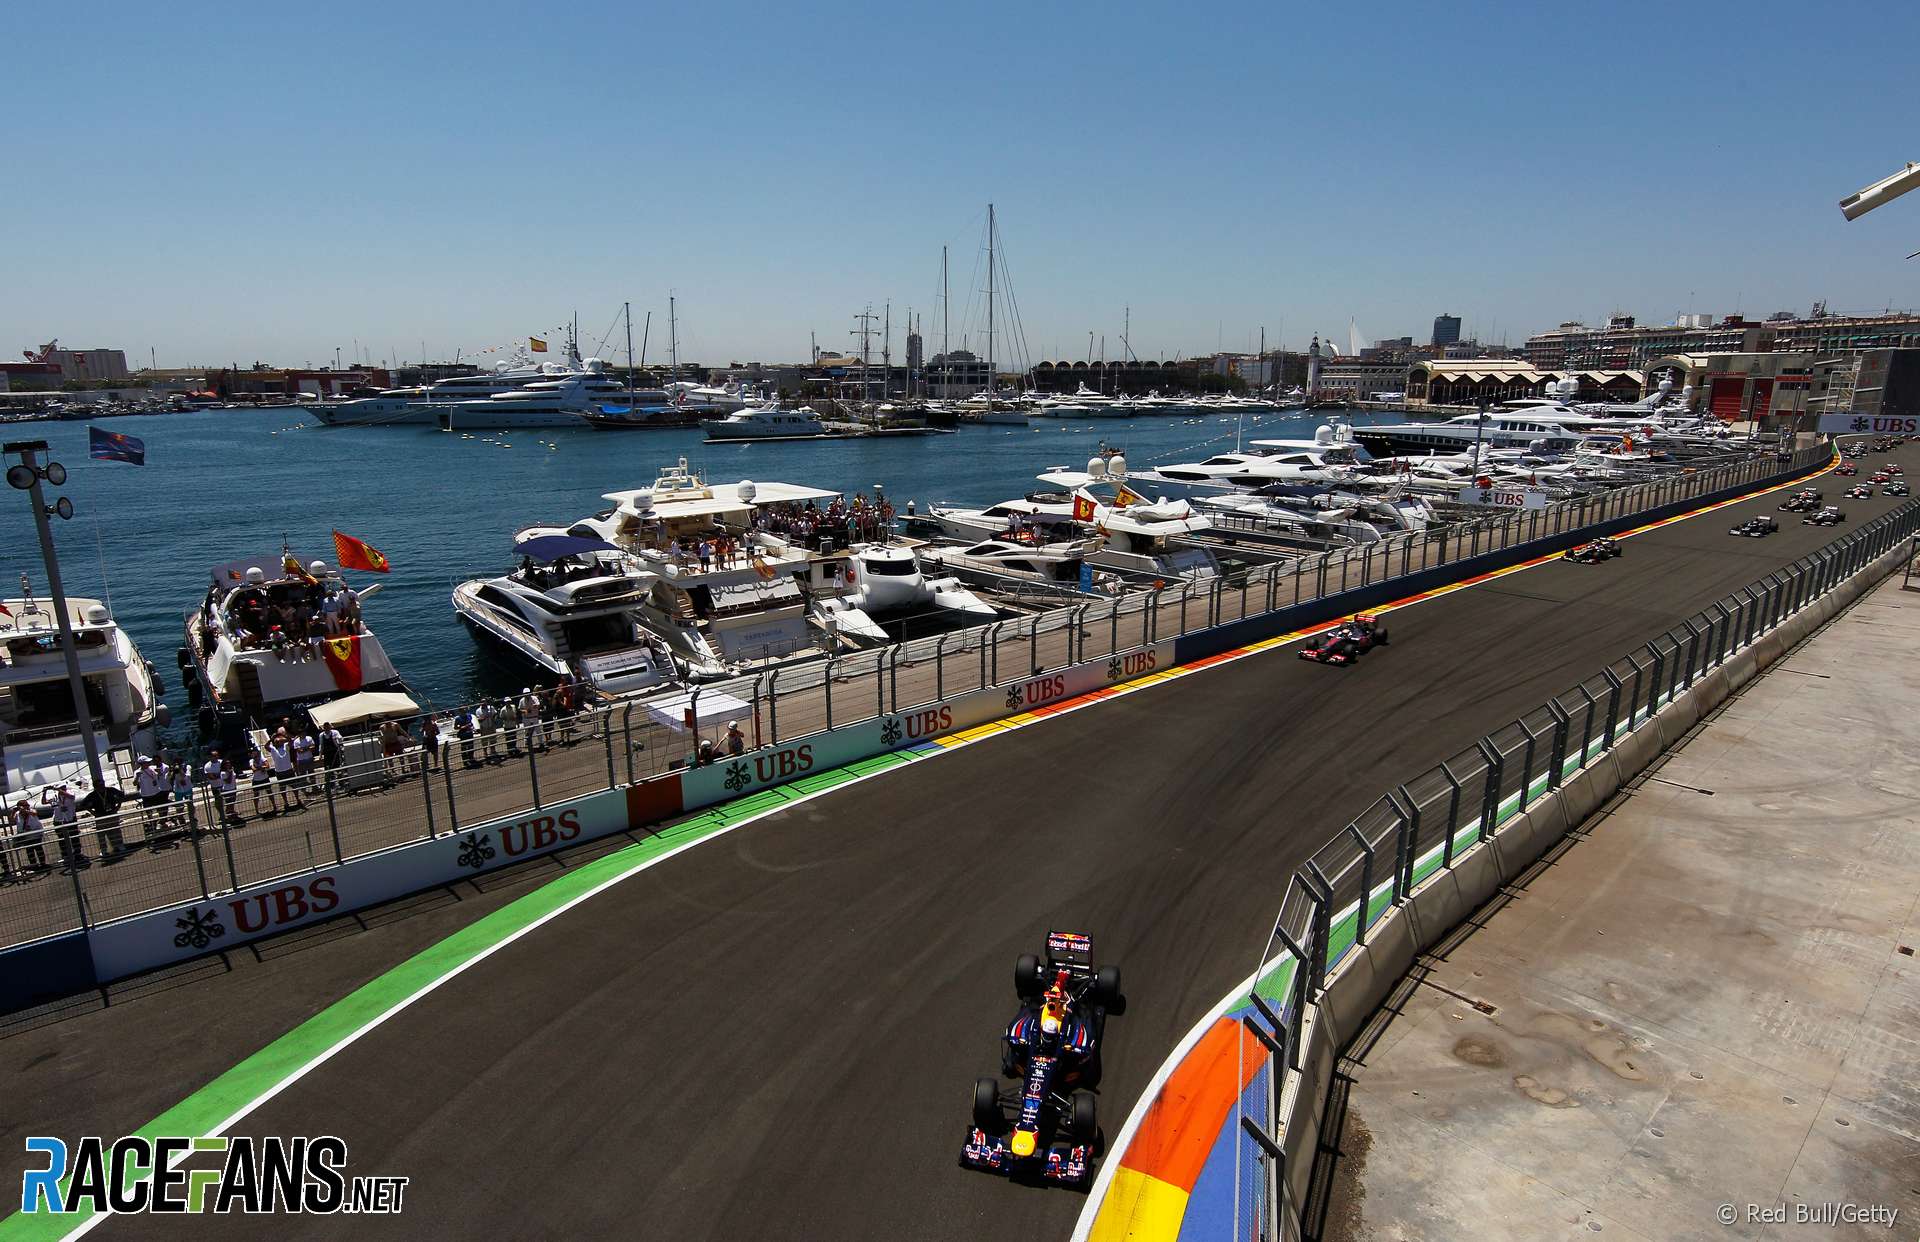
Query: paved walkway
1709, 998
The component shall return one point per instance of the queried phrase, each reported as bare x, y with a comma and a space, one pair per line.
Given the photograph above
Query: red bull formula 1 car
1347, 642
1045, 1129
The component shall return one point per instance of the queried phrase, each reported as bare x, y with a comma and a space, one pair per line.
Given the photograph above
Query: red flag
351, 553
5, 611
1082, 509
343, 660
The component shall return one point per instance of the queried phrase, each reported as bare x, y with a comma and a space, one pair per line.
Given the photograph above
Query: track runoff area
772, 1030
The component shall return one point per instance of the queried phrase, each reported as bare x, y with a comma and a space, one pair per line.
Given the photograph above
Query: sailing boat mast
946, 359
990, 376
673, 338
628, 308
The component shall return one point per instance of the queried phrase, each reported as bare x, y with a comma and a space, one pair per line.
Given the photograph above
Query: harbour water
224, 484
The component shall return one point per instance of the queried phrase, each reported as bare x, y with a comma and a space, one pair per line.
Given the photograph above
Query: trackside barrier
1410, 868
621, 764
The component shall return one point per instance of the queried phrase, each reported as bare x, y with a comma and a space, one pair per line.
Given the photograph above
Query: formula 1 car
1895, 488
1846, 469
1592, 553
1052, 1047
1347, 642
1832, 515
1879, 476
1859, 491
1893, 468
1756, 528
1805, 500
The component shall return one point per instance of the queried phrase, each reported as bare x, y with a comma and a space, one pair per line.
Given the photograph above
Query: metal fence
146, 858
1370, 866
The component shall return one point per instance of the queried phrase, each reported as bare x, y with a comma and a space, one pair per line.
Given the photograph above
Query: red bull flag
351, 553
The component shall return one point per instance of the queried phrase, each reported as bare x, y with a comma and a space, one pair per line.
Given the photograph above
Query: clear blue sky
225, 183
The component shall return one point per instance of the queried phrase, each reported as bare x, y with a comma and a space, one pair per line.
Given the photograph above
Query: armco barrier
181, 930
1412, 868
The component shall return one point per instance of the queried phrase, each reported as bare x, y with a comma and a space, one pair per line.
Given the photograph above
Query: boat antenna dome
97, 615
1096, 467
1117, 466
745, 490
318, 569
502, 367
1323, 434
256, 574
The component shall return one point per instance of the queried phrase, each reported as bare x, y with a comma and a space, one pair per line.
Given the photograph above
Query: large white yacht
561, 398
1137, 535
417, 404
708, 399
248, 668
1332, 455
569, 611
40, 741
767, 422
887, 579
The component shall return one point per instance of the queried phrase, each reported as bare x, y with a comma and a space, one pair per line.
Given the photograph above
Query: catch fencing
145, 859
1357, 884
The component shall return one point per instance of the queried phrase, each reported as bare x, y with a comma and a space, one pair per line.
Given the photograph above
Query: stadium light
1885, 190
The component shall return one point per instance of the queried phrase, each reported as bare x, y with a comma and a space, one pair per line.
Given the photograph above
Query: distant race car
1847, 468
1895, 488
1756, 528
1859, 491
1893, 468
1052, 1047
1347, 642
1879, 476
1593, 552
1832, 515
1806, 500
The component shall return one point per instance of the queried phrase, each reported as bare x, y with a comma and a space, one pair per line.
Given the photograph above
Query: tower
1313, 368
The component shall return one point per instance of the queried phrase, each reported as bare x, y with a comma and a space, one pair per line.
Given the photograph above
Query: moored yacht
40, 742
559, 399
256, 649
417, 404
569, 611
887, 579
767, 422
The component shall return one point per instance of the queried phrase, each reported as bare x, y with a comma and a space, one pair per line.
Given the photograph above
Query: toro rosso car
1045, 1129
1756, 528
1347, 642
1832, 515
1804, 501
1593, 552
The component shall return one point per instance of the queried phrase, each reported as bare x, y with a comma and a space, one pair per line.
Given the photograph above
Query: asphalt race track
775, 1034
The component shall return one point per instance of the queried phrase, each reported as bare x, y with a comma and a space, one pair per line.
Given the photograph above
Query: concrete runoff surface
774, 1034
1705, 1007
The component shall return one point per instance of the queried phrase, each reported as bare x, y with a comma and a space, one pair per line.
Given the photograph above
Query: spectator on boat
705, 550
673, 552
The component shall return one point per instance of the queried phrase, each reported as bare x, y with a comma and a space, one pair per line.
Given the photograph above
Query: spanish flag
1083, 508
1122, 498
351, 553
343, 661
294, 569
537, 345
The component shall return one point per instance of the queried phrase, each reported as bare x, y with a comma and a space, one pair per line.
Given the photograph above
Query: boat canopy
364, 706
717, 498
712, 707
554, 547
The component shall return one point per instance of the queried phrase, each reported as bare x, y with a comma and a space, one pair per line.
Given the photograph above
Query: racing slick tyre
1027, 979
1380, 636
1081, 1122
1106, 985
986, 1106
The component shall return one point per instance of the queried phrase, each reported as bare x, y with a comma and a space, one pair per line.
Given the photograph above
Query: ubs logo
1039, 690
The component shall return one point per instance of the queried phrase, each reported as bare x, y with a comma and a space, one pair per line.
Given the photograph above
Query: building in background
84, 365
1446, 331
956, 375
1467, 383
1626, 344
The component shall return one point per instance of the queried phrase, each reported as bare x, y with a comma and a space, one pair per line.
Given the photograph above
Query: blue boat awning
553, 547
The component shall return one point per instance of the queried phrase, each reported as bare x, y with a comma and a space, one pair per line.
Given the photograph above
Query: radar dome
97, 614
745, 490
318, 569
256, 574
1323, 434
1096, 467
502, 367
1117, 466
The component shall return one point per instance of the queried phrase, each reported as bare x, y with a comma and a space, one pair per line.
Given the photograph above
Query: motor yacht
417, 404
559, 399
255, 649
40, 738
768, 422
569, 611
886, 579
1028, 558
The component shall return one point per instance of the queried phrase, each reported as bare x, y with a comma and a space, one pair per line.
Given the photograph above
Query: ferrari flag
351, 553
343, 661
115, 446
537, 345
1083, 508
